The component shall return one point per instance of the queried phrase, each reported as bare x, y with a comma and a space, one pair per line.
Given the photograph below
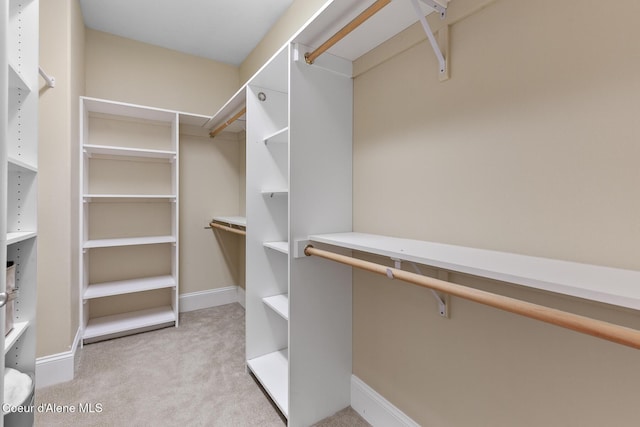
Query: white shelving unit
19, 175
129, 210
299, 160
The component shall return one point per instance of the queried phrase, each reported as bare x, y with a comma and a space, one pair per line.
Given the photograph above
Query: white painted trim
57, 368
209, 298
242, 297
375, 409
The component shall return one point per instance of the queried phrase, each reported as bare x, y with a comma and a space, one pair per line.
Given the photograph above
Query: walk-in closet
320, 213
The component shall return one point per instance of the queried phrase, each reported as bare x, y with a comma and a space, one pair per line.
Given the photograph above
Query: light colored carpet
193, 375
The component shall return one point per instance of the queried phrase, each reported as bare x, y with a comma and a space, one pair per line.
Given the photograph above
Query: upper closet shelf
123, 109
596, 283
128, 152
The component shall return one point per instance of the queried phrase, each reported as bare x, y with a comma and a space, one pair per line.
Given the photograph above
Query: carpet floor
193, 375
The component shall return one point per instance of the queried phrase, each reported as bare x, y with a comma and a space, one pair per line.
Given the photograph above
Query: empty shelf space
102, 326
15, 165
12, 337
19, 236
239, 221
278, 246
597, 283
280, 136
272, 370
128, 152
279, 192
128, 241
279, 304
105, 289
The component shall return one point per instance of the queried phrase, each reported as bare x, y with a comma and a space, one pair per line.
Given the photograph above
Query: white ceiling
222, 30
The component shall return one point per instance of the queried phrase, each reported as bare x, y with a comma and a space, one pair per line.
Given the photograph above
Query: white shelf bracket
443, 308
442, 11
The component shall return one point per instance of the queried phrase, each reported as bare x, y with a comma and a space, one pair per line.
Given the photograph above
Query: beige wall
126, 70
531, 148
61, 55
291, 21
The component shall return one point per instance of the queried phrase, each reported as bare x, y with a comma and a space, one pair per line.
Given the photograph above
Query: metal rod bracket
427, 29
443, 308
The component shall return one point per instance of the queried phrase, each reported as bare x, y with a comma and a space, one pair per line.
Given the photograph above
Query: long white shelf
132, 197
279, 304
278, 246
240, 221
19, 236
128, 241
596, 283
280, 136
107, 325
272, 370
128, 151
105, 289
18, 329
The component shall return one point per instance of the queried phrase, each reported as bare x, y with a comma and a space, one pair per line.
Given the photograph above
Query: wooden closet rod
223, 126
227, 228
597, 328
310, 57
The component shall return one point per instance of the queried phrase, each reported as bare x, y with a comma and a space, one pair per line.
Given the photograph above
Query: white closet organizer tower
19, 163
299, 161
129, 217
298, 180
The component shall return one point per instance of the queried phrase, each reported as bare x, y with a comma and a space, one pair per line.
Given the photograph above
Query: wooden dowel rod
355, 23
228, 122
227, 228
597, 328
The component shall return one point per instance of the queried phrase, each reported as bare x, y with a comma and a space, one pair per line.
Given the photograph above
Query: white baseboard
375, 409
242, 297
209, 298
57, 368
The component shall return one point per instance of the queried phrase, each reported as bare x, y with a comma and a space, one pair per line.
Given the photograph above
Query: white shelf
272, 370
20, 236
128, 241
596, 283
123, 109
128, 152
102, 326
16, 165
16, 80
279, 304
240, 221
18, 329
129, 197
278, 246
280, 136
105, 289
275, 192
